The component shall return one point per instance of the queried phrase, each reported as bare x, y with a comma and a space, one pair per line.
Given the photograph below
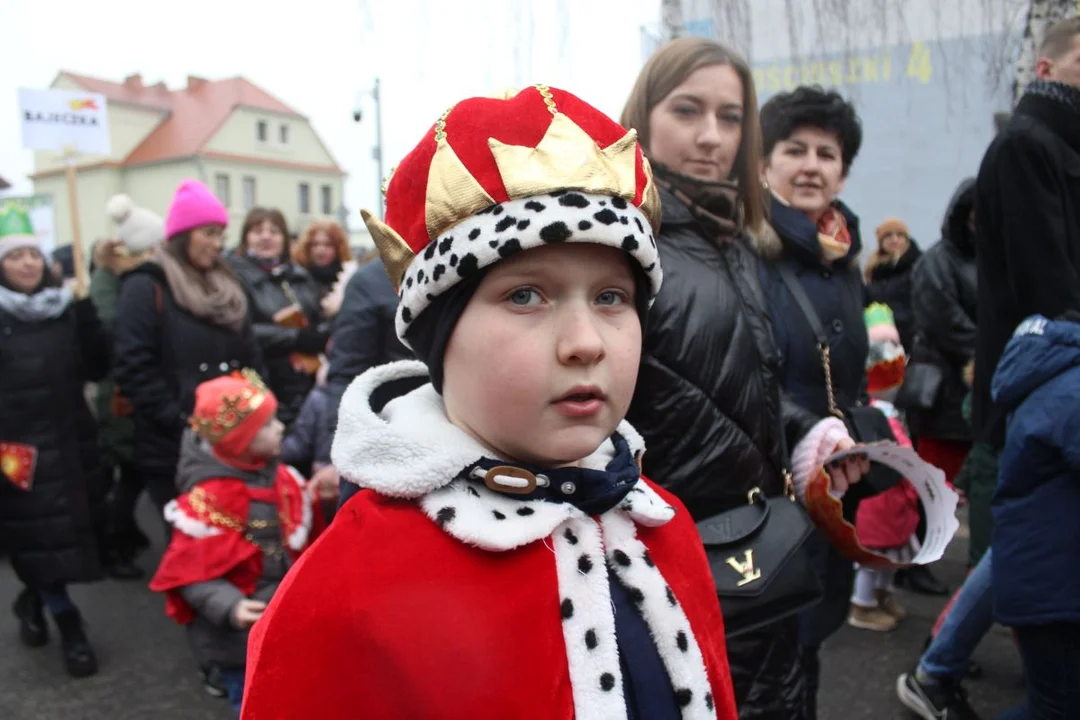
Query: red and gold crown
231, 409
495, 176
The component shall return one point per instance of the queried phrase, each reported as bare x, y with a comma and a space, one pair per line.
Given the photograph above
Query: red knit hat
498, 175
230, 410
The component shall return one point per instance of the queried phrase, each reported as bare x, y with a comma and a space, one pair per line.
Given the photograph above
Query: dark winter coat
1036, 561
1027, 235
52, 532
162, 354
364, 336
709, 406
838, 295
269, 292
890, 283
117, 432
945, 302
304, 443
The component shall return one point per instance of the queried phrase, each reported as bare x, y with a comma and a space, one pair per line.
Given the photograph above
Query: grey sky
316, 54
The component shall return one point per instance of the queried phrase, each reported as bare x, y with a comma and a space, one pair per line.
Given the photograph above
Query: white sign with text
59, 119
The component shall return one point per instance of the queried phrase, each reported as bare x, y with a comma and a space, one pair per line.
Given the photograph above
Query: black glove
310, 341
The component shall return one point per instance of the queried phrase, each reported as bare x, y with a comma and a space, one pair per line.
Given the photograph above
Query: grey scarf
42, 305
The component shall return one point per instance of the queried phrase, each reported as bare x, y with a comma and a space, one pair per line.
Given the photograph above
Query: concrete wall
239, 136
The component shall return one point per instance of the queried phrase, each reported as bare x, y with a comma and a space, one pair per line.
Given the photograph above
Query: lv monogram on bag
745, 568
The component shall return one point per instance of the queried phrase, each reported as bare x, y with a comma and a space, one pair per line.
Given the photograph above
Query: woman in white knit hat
138, 231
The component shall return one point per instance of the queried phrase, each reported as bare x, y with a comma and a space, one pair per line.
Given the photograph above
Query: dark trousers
162, 489
125, 536
1051, 655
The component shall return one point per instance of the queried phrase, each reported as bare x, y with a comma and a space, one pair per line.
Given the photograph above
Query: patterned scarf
42, 305
714, 204
1061, 93
833, 236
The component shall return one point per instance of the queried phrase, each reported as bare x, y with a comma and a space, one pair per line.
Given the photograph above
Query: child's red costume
455, 601
210, 540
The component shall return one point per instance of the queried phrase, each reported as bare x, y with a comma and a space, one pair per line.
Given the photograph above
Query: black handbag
864, 424
760, 564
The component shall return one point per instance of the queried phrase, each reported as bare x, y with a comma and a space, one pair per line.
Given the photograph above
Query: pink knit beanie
193, 206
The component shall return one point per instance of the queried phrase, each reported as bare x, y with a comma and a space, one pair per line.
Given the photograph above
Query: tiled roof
195, 112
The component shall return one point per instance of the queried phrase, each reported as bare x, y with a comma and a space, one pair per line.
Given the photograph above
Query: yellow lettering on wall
919, 64
836, 73
790, 81
759, 79
886, 67
816, 73
774, 77
853, 71
870, 70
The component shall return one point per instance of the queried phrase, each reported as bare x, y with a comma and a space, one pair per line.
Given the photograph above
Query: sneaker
871, 618
887, 603
212, 682
934, 699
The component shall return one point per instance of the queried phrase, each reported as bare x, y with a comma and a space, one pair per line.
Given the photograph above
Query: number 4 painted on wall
919, 64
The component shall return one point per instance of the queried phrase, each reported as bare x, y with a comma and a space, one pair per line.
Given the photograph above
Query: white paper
939, 501
56, 119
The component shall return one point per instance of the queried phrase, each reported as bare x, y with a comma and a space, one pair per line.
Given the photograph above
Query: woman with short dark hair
811, 137
283, 306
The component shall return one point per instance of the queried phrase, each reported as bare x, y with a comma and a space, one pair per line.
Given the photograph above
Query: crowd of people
463, 421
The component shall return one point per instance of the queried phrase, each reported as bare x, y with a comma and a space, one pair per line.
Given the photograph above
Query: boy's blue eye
611, 297
524, 297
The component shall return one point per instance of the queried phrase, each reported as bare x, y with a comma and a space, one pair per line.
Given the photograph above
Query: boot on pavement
871, 618
79, 659
33, 630
934, 698
888, 604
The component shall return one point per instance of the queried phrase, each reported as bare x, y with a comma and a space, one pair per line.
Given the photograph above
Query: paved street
147, 671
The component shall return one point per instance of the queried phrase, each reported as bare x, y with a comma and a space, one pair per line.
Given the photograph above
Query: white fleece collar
411, 450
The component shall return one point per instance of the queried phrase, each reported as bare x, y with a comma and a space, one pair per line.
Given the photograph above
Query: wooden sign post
82, 281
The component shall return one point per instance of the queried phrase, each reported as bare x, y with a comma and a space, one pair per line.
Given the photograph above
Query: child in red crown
505, 558
240, 522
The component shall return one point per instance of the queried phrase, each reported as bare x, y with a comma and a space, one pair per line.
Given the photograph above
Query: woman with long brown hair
708, 400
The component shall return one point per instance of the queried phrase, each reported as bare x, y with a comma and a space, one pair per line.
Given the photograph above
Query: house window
261, 130
284, 134
221, 186
327, 200
249, 192
305, 198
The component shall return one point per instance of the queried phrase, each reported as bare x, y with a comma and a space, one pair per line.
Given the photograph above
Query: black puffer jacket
269, 292
709, 406
52, 531
364, 336
162, 354
890, 283
945, 291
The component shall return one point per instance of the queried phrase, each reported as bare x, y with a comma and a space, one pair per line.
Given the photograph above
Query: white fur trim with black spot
502, 230
299, 536
668, 624
188, 524
410, 448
